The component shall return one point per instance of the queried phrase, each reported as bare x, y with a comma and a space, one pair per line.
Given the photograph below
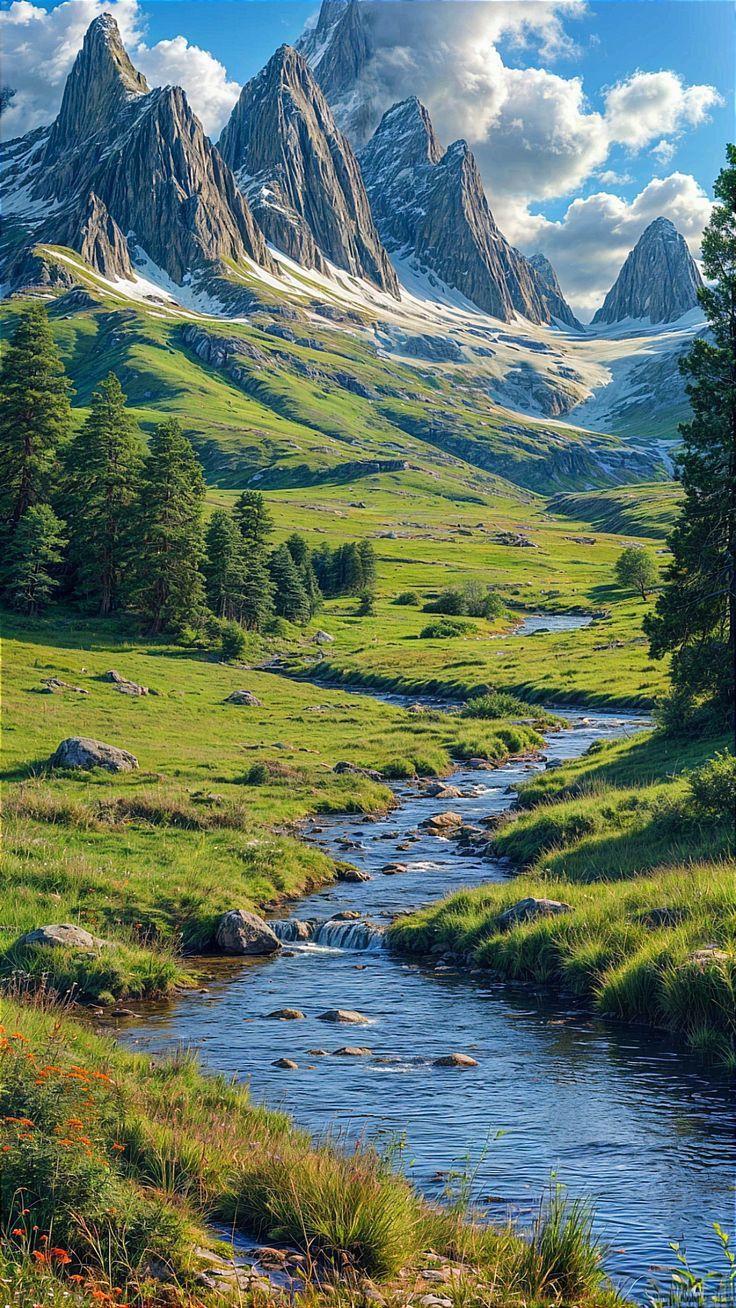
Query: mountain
339, 49
430, 208
659, 280
550, 292
124, 170
300, 174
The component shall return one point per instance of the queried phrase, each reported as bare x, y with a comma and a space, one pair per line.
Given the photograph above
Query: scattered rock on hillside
244, 697
81, 752
661, 917
343, 1015
322, 638
63, 935
52, 686
455, 1060
287, 1015
125, 686
241, 932
528, 909
354, 770
707, 955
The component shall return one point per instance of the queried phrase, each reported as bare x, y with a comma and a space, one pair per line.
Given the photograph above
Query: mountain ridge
658, 281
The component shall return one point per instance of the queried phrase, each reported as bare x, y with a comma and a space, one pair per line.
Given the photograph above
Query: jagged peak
102, 79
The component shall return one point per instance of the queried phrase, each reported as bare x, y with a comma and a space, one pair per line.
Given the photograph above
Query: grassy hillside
644, 511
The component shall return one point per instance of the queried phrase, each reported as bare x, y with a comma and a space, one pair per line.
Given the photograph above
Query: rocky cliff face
339, 49
125, 167
430, 208
550, 292
659, 280
300, 174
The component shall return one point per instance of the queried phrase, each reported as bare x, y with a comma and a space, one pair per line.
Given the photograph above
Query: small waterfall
350, 935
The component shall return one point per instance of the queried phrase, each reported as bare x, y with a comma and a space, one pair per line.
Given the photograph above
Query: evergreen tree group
99, 519
695, 615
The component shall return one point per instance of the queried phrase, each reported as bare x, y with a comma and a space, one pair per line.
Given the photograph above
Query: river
617, 1113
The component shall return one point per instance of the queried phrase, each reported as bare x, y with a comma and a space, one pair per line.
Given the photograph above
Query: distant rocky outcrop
300, 174
659, 281
430, 208
550, 292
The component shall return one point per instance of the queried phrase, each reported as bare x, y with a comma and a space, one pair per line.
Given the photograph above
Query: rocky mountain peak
300, 174
101, 82
339, 49
550, 291
659, 280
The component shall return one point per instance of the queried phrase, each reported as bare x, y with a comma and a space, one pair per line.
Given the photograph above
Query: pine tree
367, 555
35, 415
252, 515
695, 616
103, 467
298, 549
258, 597
225, 567
290, 599
35, 550
169, 590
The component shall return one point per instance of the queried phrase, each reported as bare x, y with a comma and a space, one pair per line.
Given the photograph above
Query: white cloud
41, 45
588, 246
650, 105
609, 177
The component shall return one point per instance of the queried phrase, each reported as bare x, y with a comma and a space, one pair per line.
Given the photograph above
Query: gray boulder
244, 697
287, 1015
528, 909
53, 685
81, 752
125, 686
343, 1015
323, 638
455, 1060
63, 935
354, 770
353, 874
241, 932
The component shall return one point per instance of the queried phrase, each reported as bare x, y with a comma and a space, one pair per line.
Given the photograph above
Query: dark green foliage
407, 598
33, 555
232, 641
367, 605
169, 591
347, 570
35, 416
496, 704
291, 600
713, 788
253, 518
695, 618
442, 629
225, 566
636, 569
103, 468
473, 600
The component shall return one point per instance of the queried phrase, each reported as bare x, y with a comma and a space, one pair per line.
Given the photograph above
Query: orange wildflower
19, 1231
61, 1256
119, 1148
40, 1257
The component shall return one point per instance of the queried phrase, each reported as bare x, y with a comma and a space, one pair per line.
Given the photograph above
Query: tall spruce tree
695, 616
30, 571
35, 415
290, 598
253, 518
169, 588
225, 567
103, 473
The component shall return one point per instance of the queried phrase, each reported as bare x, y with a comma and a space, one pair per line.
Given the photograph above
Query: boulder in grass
54, 685
526, 910
322, 638
244, 698
125, 686
82, 752
354, 770
241, 932
63, 935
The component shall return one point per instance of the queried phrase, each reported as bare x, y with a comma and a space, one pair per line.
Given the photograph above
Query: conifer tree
252, 515
367, 556
169, 590
103, 469
290, 598
225, 566
35, 415
695, 616
33, 555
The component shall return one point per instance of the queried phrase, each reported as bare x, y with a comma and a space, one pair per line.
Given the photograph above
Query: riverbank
629, 887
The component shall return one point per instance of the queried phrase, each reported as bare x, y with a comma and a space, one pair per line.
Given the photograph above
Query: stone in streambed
287, 1063
353, 874
241, 932
343, 1015
353, 1051
455, 1060
287, 1015
394, 869
440, 823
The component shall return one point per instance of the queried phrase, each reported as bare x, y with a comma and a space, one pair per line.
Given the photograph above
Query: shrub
257, 775
473, 600
443, 629
713, 787
232, 641
407, 598
496, 704
449, 601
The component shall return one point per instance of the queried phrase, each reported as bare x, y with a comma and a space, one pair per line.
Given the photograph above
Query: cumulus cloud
648, 105
41, 45
589, 244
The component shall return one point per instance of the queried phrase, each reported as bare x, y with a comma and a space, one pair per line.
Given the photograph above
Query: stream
617, 1113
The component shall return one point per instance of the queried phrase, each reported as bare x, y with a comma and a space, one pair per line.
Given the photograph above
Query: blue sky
587, 119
